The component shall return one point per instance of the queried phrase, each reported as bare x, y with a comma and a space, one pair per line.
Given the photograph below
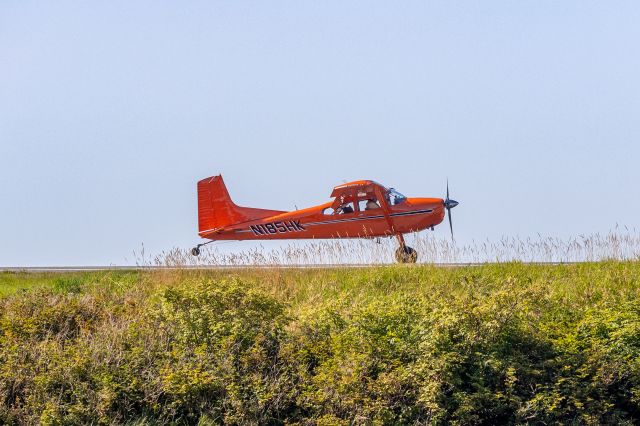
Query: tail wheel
406, 254
195, 251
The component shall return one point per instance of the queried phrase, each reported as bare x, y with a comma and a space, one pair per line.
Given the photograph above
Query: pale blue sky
110, 111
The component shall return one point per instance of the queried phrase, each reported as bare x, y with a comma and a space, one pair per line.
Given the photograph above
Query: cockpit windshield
394, 197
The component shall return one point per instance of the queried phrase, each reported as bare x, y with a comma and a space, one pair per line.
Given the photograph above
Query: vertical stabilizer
216, 210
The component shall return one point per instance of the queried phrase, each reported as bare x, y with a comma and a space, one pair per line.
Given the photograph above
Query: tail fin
216, 210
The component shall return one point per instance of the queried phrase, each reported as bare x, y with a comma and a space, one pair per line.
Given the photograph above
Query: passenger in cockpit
372, 205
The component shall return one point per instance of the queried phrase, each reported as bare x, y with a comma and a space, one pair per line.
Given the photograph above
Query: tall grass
617, 244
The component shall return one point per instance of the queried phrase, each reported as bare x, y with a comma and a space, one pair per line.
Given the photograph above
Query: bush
502, 344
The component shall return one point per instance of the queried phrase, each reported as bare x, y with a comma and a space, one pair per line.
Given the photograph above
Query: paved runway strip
62, 269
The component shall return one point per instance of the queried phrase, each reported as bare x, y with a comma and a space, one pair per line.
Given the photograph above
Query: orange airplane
360, 209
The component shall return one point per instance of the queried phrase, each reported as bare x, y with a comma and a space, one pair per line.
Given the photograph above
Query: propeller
449, 204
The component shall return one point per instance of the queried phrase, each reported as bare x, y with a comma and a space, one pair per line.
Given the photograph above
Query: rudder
216, 209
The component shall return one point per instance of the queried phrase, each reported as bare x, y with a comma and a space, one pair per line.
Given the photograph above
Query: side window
368, 204
328, 211
345, 208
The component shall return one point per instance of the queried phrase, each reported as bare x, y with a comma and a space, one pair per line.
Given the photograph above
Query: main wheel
406, 254
195, 251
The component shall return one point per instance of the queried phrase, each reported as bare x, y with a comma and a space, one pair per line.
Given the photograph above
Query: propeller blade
450, 222
449, 204
447, 189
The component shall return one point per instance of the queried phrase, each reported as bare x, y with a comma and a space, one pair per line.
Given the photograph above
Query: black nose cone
450, 203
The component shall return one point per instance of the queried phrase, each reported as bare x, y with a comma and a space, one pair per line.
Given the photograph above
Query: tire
195, 251
406, 254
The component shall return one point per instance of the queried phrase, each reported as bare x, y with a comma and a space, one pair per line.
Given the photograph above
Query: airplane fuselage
412, 215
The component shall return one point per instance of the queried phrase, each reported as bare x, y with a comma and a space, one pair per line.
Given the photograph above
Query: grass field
620, 243
501, 343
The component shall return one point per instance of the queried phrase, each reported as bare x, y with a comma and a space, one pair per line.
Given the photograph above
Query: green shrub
499, 344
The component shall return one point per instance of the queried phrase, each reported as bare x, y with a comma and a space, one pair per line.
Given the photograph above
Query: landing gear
196, 250
404, 253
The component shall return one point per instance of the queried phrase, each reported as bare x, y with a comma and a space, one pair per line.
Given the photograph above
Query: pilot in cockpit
345, 208
371, 205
